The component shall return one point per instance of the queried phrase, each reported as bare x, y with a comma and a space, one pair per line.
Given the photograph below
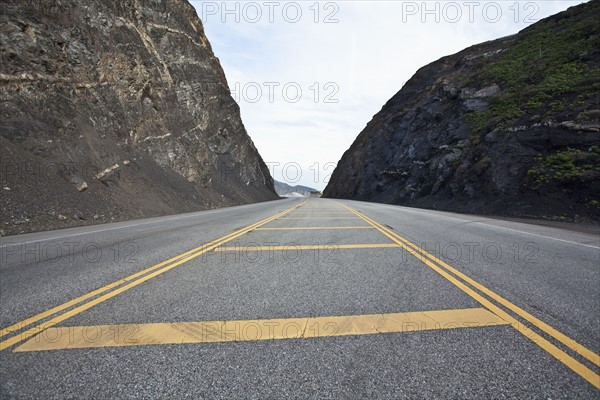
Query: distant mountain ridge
508, 127
285, 190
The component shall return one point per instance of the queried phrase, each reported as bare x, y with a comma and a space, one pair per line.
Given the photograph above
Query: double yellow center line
483, 295
462, 281
106, 292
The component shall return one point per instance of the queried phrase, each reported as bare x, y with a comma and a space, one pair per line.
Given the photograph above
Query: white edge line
538, 235
412, 210
206, 212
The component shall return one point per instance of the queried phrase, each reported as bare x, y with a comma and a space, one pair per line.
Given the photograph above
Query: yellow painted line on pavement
573, 345
331, 246
321, 215
444, 269
134, 280
81, 337
322, 212
317, 218
302, 228
322, 209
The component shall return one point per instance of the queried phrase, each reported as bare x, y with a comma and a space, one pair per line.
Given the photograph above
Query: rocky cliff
113, 110
509, 127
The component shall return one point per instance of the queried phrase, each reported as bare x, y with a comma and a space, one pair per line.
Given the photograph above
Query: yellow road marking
441, 268
79, 337
331, 246
22, 324
345, 212
158, 269
319, 218
321, 215
314, 228
573, 345
323, 209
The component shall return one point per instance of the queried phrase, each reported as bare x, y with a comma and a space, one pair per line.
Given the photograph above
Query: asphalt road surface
302, 299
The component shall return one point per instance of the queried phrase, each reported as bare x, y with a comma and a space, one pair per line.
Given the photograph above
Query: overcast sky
310, 75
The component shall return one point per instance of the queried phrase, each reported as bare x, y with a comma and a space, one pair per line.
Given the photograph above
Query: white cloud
373, 49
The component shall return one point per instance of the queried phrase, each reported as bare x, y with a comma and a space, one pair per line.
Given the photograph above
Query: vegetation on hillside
552, 69
567, 166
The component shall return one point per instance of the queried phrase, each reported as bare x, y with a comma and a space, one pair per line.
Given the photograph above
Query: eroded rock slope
506, 127
114, 110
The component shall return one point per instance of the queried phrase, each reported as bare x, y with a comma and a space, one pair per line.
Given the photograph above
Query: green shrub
542, 70
567, 166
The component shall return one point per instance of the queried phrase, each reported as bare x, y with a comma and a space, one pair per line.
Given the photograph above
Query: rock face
505, 127
114, 110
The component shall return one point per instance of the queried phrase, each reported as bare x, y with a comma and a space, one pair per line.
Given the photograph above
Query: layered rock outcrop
113, 110
508, 127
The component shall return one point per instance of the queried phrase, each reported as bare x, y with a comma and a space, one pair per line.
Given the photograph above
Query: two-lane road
302, 299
